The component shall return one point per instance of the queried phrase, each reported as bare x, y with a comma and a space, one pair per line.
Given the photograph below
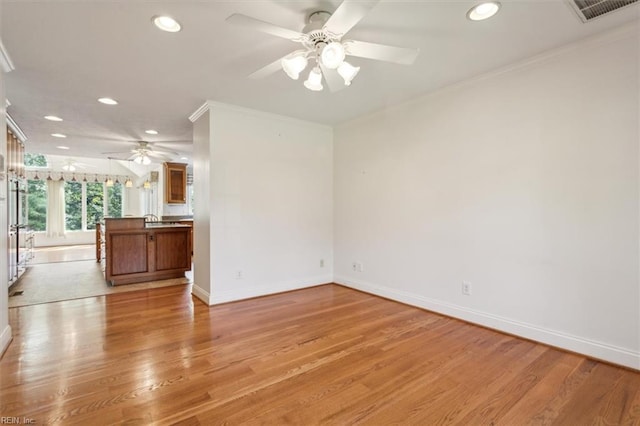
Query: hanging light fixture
347, 72
294, 63
146, 184
332, 55
109, 181
314, 81
142, 159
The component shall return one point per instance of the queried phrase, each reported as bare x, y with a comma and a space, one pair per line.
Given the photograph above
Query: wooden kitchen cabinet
137, 251
175, 183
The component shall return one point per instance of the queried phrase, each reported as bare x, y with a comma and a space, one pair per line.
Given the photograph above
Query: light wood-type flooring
324, 355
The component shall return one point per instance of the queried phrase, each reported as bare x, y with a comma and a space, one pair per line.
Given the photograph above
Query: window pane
95, 203
35, 160
37, 199
114, 209
73, 206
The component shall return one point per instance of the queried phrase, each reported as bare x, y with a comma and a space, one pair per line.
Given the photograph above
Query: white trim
211, 105
591, 348
5, 339
198, 113
265, 290
629, 30
7, 103
15, 129
201, 294
5, 60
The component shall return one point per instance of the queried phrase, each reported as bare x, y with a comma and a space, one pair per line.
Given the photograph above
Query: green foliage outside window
73, 206
114, 195
95, 203
37, 199
35, 160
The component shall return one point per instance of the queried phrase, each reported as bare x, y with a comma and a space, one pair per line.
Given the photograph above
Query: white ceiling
69, 53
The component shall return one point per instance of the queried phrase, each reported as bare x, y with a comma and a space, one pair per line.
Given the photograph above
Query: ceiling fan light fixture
294, 64
332, 55
314, 81
347, 72
483, 11
69, 167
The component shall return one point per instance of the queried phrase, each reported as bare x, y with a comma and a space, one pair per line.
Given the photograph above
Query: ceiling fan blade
163, 154
381, 52
265, 27
266, 71
333, 79
347, 15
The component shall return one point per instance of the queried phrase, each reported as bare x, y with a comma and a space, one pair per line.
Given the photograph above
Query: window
73, 206
114, 195
37, 205
35, 160
94, 203
84, 204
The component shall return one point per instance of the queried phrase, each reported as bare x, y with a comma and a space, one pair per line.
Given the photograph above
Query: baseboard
5, 339
249, 292
587, 347
204, 296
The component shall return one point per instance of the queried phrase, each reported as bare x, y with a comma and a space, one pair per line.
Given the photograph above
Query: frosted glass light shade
347, 72
294, 64
332, 55
128, 183
142, 159
314, 82
109, 182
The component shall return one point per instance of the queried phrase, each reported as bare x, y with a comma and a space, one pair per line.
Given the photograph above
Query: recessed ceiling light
58, 135
62, 147
166, 23
151, 132
184, 158
108, 101
483, 11
52, 118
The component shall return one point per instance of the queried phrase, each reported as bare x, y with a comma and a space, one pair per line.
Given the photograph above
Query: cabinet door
176, 183
129, 255
173, 250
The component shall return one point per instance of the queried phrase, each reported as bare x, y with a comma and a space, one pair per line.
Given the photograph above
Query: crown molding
15, 129
5, 60
198, 113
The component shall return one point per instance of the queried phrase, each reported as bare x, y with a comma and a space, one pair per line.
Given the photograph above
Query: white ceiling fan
323, 44
144, 153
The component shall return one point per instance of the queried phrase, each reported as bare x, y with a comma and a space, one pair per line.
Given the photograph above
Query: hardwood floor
326, 355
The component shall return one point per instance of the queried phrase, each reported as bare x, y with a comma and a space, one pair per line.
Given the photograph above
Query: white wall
524, 183
270, 206
5, 329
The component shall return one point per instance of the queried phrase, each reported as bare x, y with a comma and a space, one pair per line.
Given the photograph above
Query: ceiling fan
322, 43
143, 153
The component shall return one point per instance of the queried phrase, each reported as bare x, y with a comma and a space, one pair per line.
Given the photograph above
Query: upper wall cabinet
175, 183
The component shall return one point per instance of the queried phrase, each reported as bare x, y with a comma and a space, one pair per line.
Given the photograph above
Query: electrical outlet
466, 288
322, 263
354, 266
360, 267
238, 275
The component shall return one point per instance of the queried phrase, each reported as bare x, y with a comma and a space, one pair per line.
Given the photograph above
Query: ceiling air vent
591, 9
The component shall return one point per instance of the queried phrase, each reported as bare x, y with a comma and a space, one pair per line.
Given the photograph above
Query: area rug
52, 282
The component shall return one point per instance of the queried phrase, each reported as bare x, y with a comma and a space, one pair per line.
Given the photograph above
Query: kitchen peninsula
138, 251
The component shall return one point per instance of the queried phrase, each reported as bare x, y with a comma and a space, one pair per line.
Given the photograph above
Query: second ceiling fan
323, 46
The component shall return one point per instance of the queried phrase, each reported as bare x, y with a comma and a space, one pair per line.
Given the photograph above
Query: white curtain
55, 208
